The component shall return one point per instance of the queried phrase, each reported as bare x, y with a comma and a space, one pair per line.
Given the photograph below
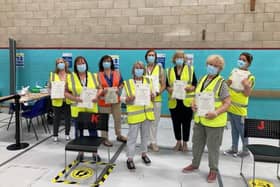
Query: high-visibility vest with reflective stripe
157, 72
104, 84
186, 75
137, 114
239, 102
57, 102
213, 86
75, 87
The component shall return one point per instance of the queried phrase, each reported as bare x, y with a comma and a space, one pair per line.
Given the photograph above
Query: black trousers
61, 113
181, 118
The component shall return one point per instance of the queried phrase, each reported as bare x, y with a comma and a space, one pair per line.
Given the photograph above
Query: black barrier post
17, 145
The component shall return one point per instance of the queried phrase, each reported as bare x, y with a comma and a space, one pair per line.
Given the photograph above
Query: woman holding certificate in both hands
241, 83
210, 105
181, 82
138, 96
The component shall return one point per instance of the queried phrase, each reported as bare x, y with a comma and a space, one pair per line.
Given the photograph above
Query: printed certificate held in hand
142, 94
155, 83
237, 77
205, 102
179, 89
87, 95
111, 96
57, 89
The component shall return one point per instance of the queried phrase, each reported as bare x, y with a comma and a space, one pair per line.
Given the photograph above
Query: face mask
179, 61
106, 65
151, 59
60, 66
138, 72
81, 68
211, 70
241, 63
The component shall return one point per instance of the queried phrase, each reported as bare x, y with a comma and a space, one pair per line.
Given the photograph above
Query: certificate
57, 89
111, 95
205, 103
155, 83
142, 94
237, 77
179, 89
86, 96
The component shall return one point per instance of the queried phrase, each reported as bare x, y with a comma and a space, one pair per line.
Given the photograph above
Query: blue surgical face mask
179, 61
106, 65
241, 63
138, 72
151, 59
60, 66
212, 70
81, 68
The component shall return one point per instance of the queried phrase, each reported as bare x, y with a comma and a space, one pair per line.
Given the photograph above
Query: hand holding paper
205, 103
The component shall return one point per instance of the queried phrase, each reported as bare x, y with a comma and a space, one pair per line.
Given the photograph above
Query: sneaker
146, 159
80, 157
96, 157
189, 168
243, 154
55, 139
212, 176
121, 138
130, 164
108, 143
230, 152
154, 147
67, 137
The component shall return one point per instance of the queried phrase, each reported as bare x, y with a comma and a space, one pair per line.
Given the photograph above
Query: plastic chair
86, 143
36, 111
268, 129
12, 110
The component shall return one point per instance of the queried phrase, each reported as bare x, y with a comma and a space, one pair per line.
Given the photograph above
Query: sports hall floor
43, 160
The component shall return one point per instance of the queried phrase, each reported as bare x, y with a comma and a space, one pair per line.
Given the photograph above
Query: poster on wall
20, 59
190, 59
68, 58
116, 60
161, 57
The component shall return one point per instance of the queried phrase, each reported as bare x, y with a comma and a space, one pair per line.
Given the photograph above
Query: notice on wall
190, 59
116, 60
68, 58
161, 57
20, 59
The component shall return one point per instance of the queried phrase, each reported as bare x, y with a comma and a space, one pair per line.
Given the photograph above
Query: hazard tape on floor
58, 179
260, 183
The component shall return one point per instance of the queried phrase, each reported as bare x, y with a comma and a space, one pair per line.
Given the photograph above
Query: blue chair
12, 110
37, 110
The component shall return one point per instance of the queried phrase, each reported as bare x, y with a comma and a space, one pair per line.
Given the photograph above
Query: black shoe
130, 164
80, 157
146, 159
96, 158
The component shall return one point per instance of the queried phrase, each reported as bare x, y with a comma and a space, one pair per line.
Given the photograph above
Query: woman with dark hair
110, 78
239, 103
81, 78
60, 105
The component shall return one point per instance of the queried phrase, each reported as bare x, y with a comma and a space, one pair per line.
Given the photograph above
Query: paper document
205, 102
57, 89
142, 94
87, 95
155, 83
179, 89
111, 95
238, 76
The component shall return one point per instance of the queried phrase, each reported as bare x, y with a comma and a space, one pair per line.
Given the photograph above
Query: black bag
93, 121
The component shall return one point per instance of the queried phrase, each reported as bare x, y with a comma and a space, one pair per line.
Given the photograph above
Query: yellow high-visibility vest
76, 88
213, 86
157, 72
239, 102
186, 75
137, 114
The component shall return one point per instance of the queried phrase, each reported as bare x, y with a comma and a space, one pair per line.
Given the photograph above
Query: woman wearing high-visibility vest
155, 71
208, 129
110, 78
61, 107
239, 103
180, 109
139, 117
79, 79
